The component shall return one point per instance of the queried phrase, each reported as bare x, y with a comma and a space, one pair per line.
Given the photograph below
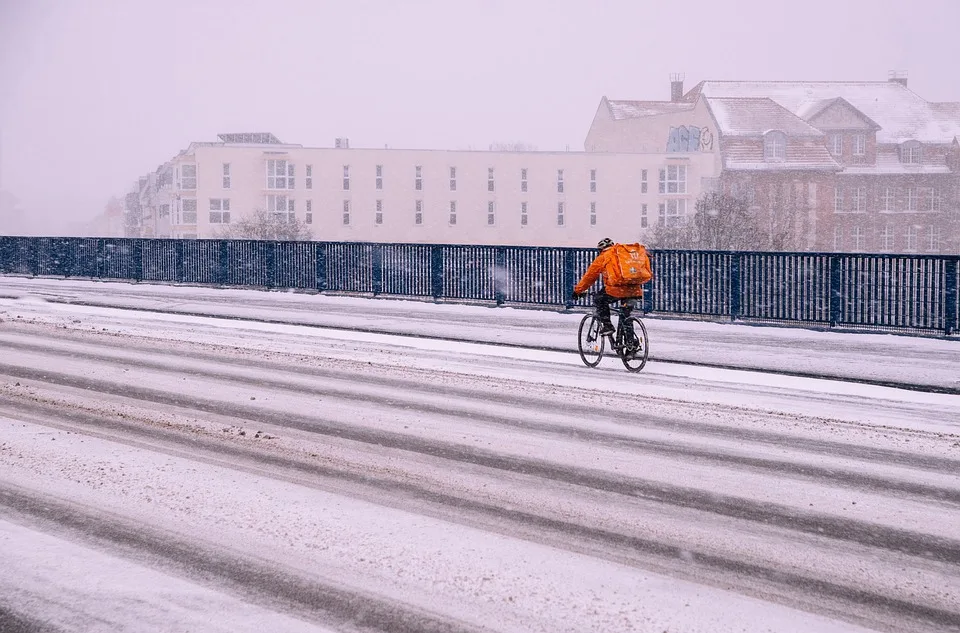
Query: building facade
418, 196
824, 166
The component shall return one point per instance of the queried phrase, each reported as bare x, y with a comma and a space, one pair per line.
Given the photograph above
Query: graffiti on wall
688, 138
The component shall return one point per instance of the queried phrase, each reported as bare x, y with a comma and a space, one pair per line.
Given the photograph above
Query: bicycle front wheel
635, 352
589, 341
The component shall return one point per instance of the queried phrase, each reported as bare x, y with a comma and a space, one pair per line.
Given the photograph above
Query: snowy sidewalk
914, 362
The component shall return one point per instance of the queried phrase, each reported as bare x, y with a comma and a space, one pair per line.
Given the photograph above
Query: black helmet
604, 244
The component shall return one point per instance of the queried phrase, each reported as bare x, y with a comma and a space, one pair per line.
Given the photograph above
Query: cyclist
614, 289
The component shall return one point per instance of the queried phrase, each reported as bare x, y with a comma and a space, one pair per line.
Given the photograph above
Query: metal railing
904, 293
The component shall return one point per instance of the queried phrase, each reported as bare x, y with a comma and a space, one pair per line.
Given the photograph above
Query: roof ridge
803, 81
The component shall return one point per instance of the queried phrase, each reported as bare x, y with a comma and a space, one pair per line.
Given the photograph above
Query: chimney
898, 77
676, 87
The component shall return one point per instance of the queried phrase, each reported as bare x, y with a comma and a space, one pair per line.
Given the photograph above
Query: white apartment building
425, 196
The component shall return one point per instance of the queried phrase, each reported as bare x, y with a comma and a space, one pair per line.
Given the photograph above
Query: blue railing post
735, 263
376, 268
950, 302
101, 257
500, 275
137, 256
181, 265
569, 277
321, 271
5, 258
836, 292
270, 263
436, 271
223, 262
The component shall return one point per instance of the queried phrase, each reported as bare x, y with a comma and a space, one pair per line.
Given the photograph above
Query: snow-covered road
171, 472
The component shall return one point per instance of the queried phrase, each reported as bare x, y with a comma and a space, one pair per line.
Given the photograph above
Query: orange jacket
602, 265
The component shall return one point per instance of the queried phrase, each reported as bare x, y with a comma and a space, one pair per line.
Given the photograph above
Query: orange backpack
633, 264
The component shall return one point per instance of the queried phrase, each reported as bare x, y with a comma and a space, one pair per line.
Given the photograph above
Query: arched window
910, 152
774, 145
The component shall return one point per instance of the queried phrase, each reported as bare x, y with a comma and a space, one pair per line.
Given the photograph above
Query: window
643, 216
523, 213
643, 181
308, 216
559, 214
836, 144
838, 238
673, 179
346, 212
860, 199
859, 145
188, 176
281, 207
418, 178
910, 153
674, 212
857, 238
933, 200
277, 174
163, 211
886, 238
911, 238
308, 177
593, 181
189, 211
226, 176
560, 181
888, 198
346, 177
523, 180
453, 179
418, 215
453, 212
378, 214
379, 178
933, 239
913, 198
491, 213
219, 210
593, 214
775, 146
838, 200
490, 184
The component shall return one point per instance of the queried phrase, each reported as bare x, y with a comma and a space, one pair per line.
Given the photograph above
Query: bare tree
261, 225
517, 146
720, 222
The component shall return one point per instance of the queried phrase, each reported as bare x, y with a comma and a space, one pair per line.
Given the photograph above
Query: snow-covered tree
262, 225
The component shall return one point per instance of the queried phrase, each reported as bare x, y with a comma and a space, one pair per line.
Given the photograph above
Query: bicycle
629, 340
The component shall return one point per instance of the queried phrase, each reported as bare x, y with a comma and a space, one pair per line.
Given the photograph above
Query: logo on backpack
634, 263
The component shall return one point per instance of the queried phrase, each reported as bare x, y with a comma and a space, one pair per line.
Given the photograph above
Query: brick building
840, 166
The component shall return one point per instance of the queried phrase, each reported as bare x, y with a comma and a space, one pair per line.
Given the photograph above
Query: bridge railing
905, 293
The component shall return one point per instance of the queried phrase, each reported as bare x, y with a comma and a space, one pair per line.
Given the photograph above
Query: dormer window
774, 146
910, 153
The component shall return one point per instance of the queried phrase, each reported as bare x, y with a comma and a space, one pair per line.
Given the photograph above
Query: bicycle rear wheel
635, 357
589, 341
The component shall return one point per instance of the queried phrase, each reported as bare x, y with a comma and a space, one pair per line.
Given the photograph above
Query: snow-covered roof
737, 116
901, 114
638, 109
888, 162
810, 155
259, 138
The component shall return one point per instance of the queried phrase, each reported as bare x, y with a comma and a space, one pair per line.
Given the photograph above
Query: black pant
602, 300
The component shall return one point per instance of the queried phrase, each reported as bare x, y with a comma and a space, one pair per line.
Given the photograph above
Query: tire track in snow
408, 390
208, 564
870, 534
254, 578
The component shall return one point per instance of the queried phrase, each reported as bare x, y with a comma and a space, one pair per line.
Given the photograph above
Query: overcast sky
94, 93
